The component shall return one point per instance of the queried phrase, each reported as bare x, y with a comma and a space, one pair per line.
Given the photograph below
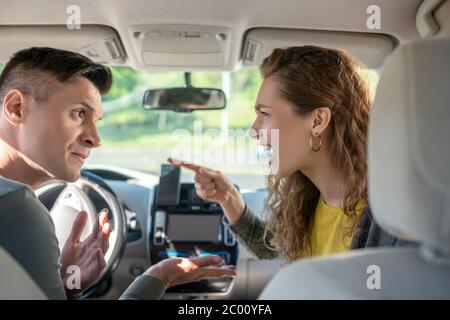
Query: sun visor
370, 49
99, 43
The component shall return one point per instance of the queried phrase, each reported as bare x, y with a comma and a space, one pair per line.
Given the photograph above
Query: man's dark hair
34, 70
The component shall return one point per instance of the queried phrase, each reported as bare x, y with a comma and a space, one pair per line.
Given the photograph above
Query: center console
184, 225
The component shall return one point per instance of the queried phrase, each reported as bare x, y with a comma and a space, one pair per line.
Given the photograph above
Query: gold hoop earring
311, 144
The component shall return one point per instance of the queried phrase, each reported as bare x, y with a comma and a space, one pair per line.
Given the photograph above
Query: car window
143, 139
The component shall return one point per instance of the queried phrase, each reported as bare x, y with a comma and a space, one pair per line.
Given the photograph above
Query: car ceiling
398, 18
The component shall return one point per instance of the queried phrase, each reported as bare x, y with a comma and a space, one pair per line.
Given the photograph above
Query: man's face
59, 133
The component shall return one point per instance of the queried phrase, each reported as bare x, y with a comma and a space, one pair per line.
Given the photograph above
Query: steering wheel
65, 200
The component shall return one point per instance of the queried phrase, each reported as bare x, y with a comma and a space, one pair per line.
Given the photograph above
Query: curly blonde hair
311, 77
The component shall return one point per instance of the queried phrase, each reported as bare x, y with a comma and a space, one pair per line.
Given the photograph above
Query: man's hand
88, 256
212, 185
176, 271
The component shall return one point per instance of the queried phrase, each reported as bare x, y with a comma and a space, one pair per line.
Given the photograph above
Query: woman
317, 102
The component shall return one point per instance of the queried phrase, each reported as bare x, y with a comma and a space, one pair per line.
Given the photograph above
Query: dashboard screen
194, 227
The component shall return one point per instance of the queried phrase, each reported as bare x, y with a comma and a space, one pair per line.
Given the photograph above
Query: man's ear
321, 120
13, 107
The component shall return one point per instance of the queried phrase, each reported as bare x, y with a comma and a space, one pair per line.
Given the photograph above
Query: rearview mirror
184, 99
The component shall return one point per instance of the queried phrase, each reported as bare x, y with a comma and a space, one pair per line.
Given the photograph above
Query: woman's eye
264, 114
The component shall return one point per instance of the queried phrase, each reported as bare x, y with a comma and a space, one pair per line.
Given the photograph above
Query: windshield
140, 139
136, 138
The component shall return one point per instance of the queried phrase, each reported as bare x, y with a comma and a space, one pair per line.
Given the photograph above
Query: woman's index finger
184, 164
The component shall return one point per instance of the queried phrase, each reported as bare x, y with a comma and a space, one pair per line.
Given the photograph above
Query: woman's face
279, 127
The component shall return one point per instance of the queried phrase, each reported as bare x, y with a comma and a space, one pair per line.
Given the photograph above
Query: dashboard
165, 218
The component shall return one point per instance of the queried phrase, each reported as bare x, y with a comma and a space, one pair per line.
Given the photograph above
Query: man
51, 101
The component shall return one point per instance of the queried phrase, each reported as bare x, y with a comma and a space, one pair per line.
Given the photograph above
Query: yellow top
328, 230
